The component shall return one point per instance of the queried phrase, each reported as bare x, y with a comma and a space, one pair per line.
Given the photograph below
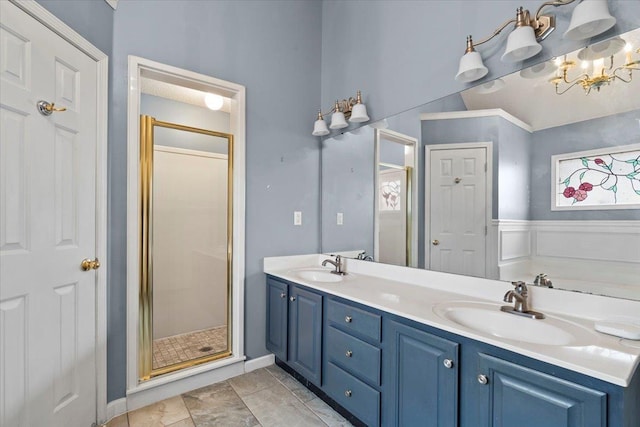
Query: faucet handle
521, 287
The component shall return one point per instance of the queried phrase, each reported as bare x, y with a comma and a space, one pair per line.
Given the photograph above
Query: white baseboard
259, 362
116, 407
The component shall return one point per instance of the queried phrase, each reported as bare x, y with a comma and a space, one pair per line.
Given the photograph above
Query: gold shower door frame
145, 341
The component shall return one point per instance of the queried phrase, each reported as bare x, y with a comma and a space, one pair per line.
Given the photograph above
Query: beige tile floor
180, 348
266, 397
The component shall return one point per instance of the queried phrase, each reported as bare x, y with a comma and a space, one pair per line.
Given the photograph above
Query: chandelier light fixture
600, 59
351, 109
589, 18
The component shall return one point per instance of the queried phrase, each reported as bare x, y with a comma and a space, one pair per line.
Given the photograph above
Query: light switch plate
297, 218
339, 218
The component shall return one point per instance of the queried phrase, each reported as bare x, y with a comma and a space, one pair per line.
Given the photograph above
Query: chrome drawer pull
482, 379
448, 363
283, 295
349, 353
348, 319
348, 393
292, 299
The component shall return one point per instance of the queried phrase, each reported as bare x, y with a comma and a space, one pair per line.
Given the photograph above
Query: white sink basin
487, 319
317, 275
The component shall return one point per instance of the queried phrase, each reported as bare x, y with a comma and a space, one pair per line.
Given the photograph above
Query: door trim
488, 146
54, 24
407, 140
140, 394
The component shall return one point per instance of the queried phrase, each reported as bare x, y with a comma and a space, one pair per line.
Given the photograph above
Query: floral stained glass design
390, 195
599, 180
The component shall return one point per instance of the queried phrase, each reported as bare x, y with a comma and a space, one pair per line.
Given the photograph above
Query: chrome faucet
521, 303
541, 280
337, 264
364, 257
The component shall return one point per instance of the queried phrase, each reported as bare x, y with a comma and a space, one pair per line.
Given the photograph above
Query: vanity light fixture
590, 18
601, 62
351, 109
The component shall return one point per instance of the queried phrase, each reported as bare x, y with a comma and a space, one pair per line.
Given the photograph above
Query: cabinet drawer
354, 395
353, 355
353, 319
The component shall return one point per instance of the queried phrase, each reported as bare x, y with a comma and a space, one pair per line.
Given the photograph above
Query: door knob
292, 299
90, 264
448, 363
435, 242
46, 109
457, 180
482, 379
283, 295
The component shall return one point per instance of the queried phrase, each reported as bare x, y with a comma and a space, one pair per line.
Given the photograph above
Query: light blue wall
514, 171
404, 53
348, 172
611, 131
272, 49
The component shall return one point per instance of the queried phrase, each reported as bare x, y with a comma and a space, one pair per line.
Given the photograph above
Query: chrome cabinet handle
348, 393
348, 319
482, 379
283, 295
457, 180
349, 353
435, 242
292, 299
90, 264
448, 363
46, 109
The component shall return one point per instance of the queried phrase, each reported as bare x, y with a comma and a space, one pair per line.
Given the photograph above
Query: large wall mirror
513, 179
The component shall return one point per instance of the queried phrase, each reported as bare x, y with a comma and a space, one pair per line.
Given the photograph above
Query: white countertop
413, 293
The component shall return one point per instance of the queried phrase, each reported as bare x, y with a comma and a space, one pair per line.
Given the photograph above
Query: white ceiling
178, 93
535, 102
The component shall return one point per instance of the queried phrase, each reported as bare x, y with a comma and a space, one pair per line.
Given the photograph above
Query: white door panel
47, 192
457, 216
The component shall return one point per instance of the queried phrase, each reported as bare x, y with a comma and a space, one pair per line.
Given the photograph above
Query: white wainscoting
591, 255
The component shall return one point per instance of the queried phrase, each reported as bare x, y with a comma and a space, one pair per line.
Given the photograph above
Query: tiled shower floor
266, 397
180, 348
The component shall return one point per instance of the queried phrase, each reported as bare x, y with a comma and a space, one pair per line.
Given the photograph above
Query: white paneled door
48, 226
458, 209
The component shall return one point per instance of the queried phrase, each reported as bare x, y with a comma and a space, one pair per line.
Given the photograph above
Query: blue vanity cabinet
294, 327
509, 394
352, 359
277, 317
420, 377
305, 333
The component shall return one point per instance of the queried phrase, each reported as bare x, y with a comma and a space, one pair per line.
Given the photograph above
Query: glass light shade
359, 114
320, 128
589, 18
521, 45
471, 68
213, 101
338, 121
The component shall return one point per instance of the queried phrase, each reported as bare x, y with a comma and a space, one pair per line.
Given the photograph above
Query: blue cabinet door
305, 333
420, 378
277, 306
510, 395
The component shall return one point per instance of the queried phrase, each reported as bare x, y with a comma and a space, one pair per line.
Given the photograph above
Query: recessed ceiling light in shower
213, 101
